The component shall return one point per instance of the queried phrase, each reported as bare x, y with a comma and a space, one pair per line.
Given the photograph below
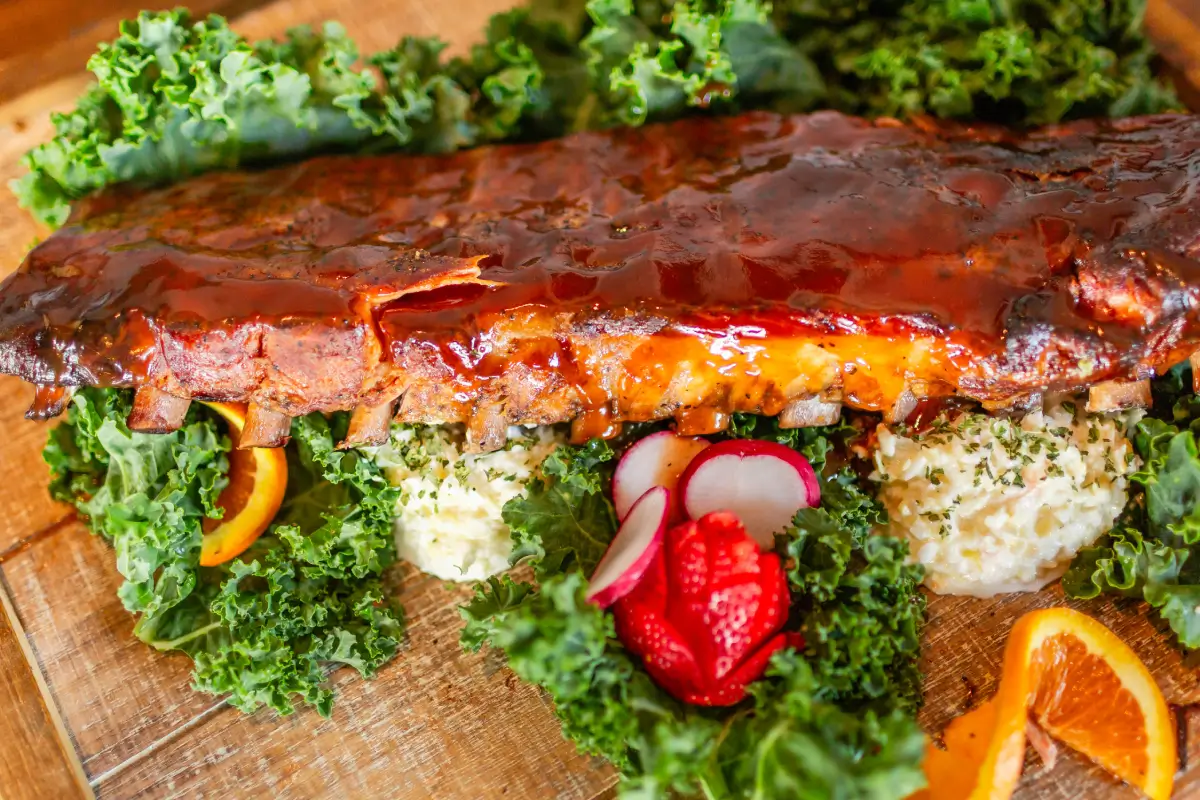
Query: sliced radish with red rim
657, 460
629, 555
763, 483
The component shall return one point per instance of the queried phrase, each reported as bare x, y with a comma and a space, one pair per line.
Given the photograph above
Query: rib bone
1118, 396
701, 421
155, 411
369, 425
811, 411
906, 403
594, 424
487, 429
265, 428
1016, 405
49, 401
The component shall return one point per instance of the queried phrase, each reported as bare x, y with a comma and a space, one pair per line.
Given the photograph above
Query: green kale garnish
175, 96
794, 738
832, 721
564, 519
1153, 551
267, 626
858, 601
1028, 62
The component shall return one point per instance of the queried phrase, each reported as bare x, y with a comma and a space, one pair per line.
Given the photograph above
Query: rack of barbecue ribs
782, 265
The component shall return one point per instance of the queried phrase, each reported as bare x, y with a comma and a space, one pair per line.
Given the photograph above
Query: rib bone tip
487, 429
369, 426
155, 411
906, 403
49, 400
593, 424
809, 412
265, 428
701, 421
1016, 405
1118, 396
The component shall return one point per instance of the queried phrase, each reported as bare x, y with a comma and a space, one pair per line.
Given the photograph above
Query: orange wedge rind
1075, 680
257, 482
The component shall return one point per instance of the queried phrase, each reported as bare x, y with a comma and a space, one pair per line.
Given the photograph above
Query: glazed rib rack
783, 265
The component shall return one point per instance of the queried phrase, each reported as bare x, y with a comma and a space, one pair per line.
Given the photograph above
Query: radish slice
763, 483
657, 460
633, 548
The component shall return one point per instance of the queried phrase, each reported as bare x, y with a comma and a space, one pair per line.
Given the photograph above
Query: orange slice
257, 481
951, 772
1074, 679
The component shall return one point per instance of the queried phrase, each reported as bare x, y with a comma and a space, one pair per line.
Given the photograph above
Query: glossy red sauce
735, 228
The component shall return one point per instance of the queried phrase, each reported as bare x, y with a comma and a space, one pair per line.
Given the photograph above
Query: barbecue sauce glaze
930, 259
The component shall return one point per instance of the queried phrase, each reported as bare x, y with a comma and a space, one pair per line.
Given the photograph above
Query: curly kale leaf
337, 515
1028, 62
266, 627
788, 740
662, 59
1153, 551
564, 520
175, 96
147, 494
796, 743
858, 602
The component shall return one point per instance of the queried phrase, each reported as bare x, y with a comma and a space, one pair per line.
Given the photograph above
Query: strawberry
706, 616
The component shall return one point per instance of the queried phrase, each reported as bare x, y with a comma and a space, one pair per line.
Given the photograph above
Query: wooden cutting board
87, 710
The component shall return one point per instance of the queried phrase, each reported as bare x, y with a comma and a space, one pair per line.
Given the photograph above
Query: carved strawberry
706, 616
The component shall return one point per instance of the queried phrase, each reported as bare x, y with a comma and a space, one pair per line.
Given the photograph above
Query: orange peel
1078, 682
257, 482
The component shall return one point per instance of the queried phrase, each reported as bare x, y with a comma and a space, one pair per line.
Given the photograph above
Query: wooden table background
87, 710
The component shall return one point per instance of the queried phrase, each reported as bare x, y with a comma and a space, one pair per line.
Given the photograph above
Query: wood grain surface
85, 708
44, 40
39, 758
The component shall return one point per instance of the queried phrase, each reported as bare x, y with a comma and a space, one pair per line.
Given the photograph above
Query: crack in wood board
157, 744
48, 774
23, 544
436, 723
116, 694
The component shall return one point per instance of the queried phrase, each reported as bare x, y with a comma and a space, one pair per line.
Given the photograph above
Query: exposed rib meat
690, 270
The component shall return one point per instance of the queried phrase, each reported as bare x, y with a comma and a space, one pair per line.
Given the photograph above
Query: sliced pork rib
772, 264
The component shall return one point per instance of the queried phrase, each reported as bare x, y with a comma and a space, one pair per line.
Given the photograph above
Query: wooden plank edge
15, 785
